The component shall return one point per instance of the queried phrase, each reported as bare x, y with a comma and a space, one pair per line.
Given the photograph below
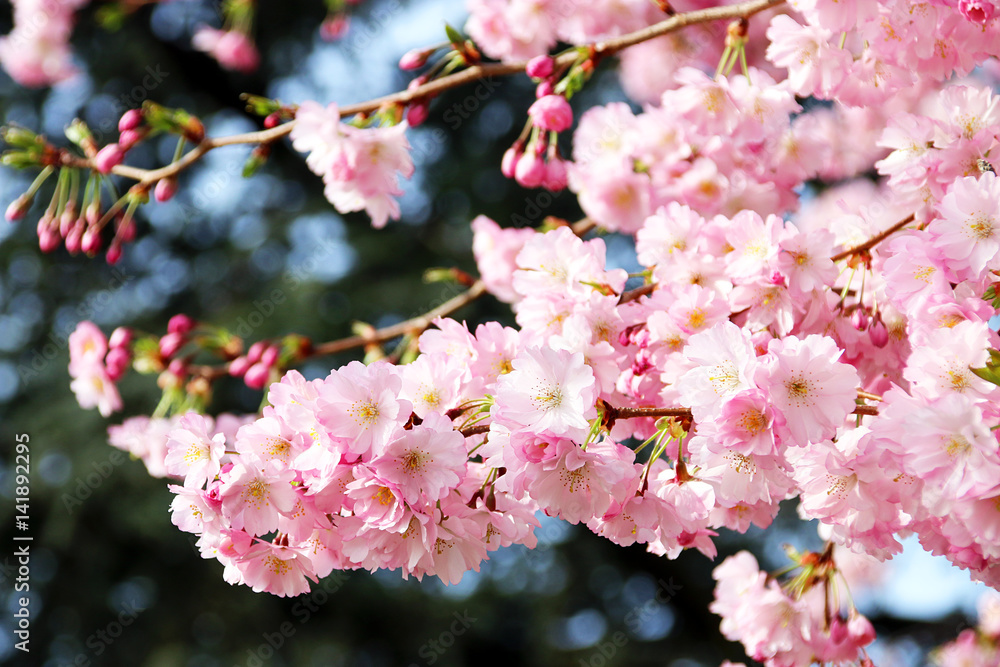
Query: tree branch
472, 74
873, 241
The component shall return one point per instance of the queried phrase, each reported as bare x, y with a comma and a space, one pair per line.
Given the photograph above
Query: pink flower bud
255, 351
93, 213
74, 239
126, 230
114, 254
272, 120
414, 59
18, 208
551, 113
67, 219
417, 113
508, 164
108, 157
878, 333
129, 138
860, 629
117, 363
256, 376
859, 319
165, 189
270, 355
233, 49
545, 88
180, 324
556, 177
530, 170
170, 344
540, 67
120, 337
130, 120
838, 629
334, 27
238, 367
48, 240
178, 367
91, 241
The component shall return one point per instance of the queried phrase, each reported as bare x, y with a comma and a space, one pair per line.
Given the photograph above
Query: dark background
106, 561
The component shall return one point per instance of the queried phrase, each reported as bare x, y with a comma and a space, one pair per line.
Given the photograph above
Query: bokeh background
114, 583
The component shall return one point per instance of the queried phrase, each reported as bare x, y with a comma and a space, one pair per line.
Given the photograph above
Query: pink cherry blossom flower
252, 497
549, 391
968, 231
496, 250
359, 407
277, 569
807, 383
360, 167
232, 48
551, 113
193, 451
426, 461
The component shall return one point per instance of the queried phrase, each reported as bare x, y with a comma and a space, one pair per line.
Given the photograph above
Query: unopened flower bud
120, 337
170, 344
556, 177
256, 376
91, 241
255, 351
508, 164
18, 208
417, 113
272, 120
540, 67
178, 367
129, 138
114, 254
74, 240
48, 239
270, 355
108, 158
334, 27
238, 367
551, 113
180, 324
130, 120
544, 88
116, 363
860, 629
165, 189
860, 319
878, 333
414, 58
530, 171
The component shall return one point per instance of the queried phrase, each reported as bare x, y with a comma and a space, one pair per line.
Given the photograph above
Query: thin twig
873, 241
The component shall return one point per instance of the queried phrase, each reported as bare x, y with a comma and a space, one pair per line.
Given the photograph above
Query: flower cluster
36, 53
360, 166
792, 624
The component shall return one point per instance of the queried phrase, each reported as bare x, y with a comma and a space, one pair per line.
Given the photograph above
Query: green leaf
454, 36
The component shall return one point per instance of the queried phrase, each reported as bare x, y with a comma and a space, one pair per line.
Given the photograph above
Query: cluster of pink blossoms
36, 52
807, 367
360, 167
782, 628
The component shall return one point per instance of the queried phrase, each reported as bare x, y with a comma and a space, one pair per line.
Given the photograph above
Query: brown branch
612, 413
412, 325
873, 241
634, 294
478, 429
474, 73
